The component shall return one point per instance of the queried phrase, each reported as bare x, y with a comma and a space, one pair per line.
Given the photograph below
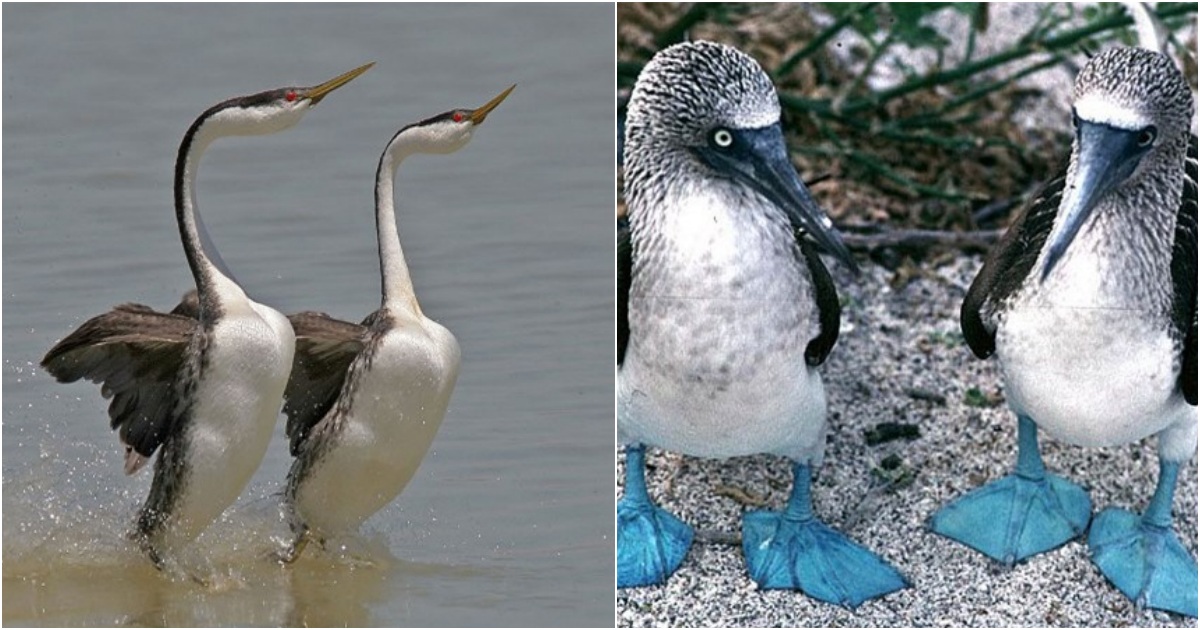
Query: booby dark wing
325, 347
829, 310
135, 353
1183, 275
1008, 264
624, 273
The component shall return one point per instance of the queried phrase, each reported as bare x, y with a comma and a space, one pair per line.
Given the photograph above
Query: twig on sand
977, 240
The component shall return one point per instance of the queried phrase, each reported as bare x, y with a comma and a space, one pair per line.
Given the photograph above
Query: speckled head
690, 88
703, 112
1133, 88
1133, 112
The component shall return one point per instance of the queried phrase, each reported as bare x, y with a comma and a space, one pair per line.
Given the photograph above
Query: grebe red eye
458, 117
290, 96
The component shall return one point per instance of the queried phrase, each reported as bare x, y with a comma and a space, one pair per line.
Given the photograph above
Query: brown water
509, 520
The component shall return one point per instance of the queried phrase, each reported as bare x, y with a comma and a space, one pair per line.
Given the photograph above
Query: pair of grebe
202, 385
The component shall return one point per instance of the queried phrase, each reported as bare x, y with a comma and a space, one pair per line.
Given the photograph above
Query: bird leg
292, 553
1021, 515
795, 550
651, 542
1141, 556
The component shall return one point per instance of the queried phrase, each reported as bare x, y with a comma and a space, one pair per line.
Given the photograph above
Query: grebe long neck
210, 272
435, 135
397, 287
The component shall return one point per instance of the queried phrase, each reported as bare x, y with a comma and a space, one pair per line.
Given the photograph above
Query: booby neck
1144, 209
1121, 257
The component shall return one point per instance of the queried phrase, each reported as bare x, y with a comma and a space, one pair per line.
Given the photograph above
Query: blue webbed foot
794, 550
1145, 562
1142, 557
1014, 518
651, 542
1020, 515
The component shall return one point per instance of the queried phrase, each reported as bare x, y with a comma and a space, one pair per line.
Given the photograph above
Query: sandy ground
894, 343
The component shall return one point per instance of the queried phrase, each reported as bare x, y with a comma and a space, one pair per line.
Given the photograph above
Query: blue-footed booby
205, 381
1089, 304
365, 401
726, 313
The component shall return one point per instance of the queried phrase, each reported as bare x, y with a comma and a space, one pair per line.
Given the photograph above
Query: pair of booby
202, 385
1089, 304
725, 311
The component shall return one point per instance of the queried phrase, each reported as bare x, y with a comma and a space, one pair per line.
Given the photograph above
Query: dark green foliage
937, 143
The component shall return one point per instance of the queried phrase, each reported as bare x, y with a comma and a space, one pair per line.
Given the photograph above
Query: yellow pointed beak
315, 94
478, 115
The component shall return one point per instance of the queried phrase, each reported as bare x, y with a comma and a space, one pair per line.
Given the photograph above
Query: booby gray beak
1106, 157
759, 159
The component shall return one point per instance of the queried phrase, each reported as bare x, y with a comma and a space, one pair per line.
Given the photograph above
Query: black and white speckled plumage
729, 310
1121, 298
